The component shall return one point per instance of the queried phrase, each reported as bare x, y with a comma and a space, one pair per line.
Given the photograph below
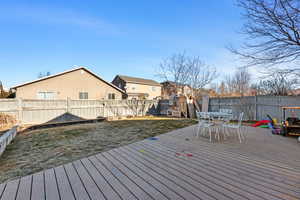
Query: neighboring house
79, 83
170, 90
138, 88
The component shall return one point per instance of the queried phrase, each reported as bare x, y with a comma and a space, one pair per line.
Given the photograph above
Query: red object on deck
184, 154
261, 122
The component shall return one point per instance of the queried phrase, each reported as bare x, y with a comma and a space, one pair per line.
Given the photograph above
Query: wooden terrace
176, 166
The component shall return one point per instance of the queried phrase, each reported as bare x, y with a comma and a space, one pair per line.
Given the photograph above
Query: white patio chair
219, 126
237, 127
204, 124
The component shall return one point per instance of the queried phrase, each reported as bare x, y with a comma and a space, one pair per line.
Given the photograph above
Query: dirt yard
42, 149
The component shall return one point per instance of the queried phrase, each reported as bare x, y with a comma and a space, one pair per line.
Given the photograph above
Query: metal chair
204, 123
237, 127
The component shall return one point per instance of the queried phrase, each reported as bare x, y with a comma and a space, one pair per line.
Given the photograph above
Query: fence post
255, 107
68, 109
20, 110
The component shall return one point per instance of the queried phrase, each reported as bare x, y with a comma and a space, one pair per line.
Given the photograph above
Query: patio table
216, 120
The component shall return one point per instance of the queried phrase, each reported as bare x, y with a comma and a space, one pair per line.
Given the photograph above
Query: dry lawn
42, 149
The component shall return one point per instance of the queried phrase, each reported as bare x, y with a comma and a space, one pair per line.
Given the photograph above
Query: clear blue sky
112, 37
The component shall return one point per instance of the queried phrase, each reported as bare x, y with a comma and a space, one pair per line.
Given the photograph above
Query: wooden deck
265, 167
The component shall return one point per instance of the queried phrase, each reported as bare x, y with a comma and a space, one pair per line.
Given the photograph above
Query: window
83, 95
111, 96
46, 95
153, 89
133, 88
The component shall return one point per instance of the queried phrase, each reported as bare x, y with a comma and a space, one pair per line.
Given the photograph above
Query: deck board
147, 177
88, 182
233, 169
176, 176
211, 189
76, 183
11, 190
107, 190
239, 161
156, 174
112, 180
24, 192
151, 170
63, 184
216, 176
2, 188
127, 182
140, 181
38, 186
51, 188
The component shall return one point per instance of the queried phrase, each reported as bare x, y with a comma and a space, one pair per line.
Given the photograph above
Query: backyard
46, 148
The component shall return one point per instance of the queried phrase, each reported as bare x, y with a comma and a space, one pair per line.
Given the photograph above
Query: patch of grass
46, 148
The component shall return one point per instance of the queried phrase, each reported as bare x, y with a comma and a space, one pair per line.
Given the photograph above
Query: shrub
6, 121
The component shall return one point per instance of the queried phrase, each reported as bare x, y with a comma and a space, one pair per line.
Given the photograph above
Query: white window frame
111, 95
83, 95
43, 95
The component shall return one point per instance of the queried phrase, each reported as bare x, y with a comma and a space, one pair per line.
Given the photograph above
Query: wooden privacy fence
255, 107
29, 111
6, 138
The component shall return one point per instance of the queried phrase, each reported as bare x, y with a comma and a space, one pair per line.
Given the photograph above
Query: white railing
7, 138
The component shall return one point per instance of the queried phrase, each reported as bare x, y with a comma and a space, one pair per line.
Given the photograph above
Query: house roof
174, 83
130, 79
65, 72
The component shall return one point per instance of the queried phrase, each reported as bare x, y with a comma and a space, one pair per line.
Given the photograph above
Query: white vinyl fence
28, 111
6, 138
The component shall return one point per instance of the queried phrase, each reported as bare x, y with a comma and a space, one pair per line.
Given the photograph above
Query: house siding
147, 89
69, 85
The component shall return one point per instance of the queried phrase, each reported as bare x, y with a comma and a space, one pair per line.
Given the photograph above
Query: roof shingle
130, 79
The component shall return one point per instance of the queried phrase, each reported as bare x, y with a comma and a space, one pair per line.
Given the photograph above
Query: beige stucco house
78, 83
138, 88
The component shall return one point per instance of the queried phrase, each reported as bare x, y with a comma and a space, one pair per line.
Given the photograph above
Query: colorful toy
264, 126
261, 122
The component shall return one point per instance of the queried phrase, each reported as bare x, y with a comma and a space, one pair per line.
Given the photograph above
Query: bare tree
175, 69
3, 93
221, 89
200, 74
1, 90
272, 28
239, 82
280, 83
186, 70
